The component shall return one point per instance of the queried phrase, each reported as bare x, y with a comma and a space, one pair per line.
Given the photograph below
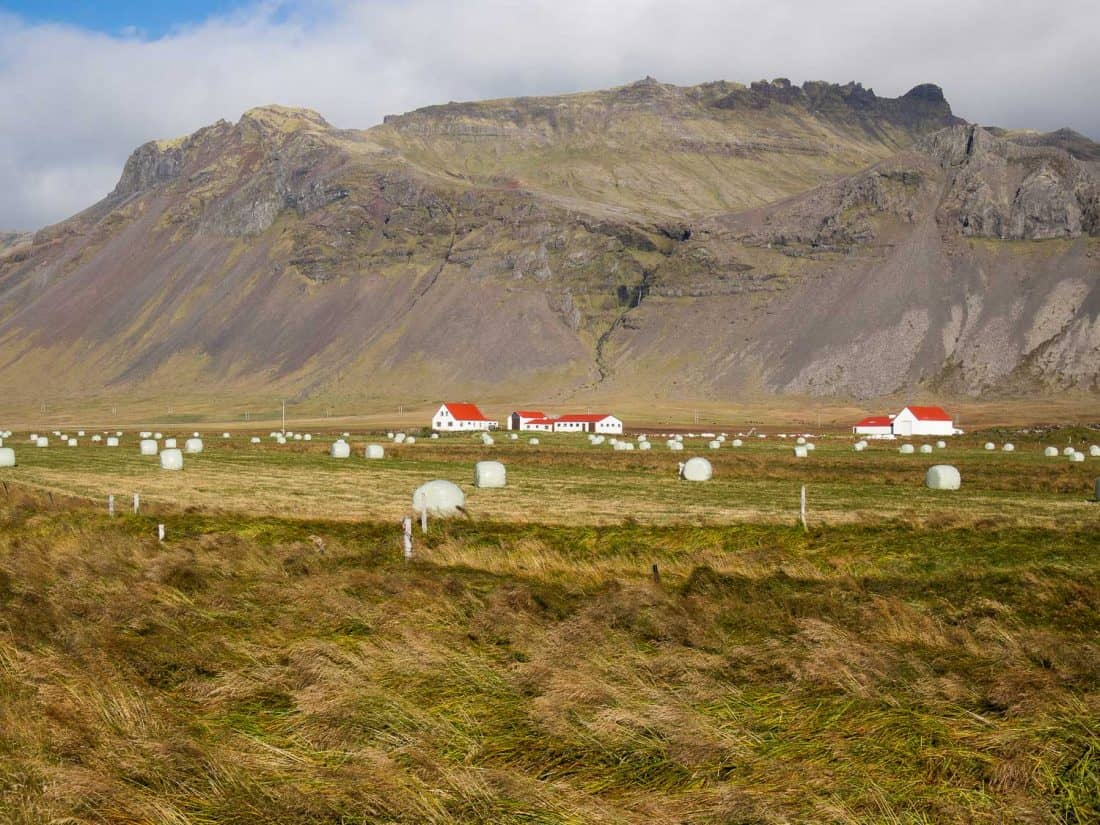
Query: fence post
802, 508
407, 529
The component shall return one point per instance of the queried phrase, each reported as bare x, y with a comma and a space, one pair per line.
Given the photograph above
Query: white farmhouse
460, 417
923, 421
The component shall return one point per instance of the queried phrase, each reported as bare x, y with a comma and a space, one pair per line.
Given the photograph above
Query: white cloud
75, 102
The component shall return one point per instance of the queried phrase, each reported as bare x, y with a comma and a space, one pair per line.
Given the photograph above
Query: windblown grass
257, 669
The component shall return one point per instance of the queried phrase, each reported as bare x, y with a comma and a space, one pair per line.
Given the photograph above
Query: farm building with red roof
461, 417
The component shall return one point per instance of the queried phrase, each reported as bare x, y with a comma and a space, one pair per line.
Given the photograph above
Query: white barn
923, 421
520, 418
598, 423
460, 417
875, 426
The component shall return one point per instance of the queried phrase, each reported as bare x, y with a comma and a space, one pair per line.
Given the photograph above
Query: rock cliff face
645, 242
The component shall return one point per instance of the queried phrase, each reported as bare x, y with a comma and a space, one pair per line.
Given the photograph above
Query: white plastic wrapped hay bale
534, 442
1077, 456
96, 439
644, 445
989, 445
297, 436
41, 441
487, 440
859, 446
112, 441
148, 446
145, 434
72, 442
388, 435
679, 438
410, 440
374, 451
169, 443
399, 438
696, 469
737, 442
273, 435
1068, 451
171, 459
435, 435
307, 437
715, 445
225, 436
1094, 451
280, 439
801, 440
255, 440
800, 451
439, 498
905, 449
1009, 448
1051, 452
941, 445
118, 433
926, 448
490, 474
340, 449
942, 477
7, 457
80, 433
675, 445
158, 436
512, 436
193, 445
195, 435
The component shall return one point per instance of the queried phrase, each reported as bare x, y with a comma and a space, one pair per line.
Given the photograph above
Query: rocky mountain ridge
647, 242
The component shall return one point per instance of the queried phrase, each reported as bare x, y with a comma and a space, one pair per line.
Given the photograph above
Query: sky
82, 84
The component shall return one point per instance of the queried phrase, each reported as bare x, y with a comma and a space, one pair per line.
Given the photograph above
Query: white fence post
407, 528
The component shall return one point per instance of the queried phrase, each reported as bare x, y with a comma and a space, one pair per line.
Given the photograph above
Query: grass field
914, 657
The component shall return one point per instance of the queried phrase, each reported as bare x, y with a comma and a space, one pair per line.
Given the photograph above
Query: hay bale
148, 446
297, 436
410, 440
737, 442
715, 445
41, 441
80, 433
490, 474
145, 434
96, 439
512, 436
254, 440
1068, 451
171, 460
905, 449
1077, 456
1051, 452
112, 441
399, 438
926, 448
696, 469
307, 437
374, 451
7, 457
675, 445
800, 451
72, 442
487, 440
158, 436
534, 442
801, 440
1094, 450
942, 477
439, 498
644, 445
169, 443
193, 445
1009, 448
989, 445
340, 449
435, 435
280, 439
859, 446
941, 445
225, 435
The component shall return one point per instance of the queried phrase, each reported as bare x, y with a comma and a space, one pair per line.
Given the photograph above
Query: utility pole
284, 416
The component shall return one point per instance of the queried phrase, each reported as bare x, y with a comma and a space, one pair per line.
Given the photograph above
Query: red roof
530, 413
541, 421
929, 413
875, 421
465, 412
590, 418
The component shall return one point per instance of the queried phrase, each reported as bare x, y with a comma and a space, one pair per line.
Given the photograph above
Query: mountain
648, 242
